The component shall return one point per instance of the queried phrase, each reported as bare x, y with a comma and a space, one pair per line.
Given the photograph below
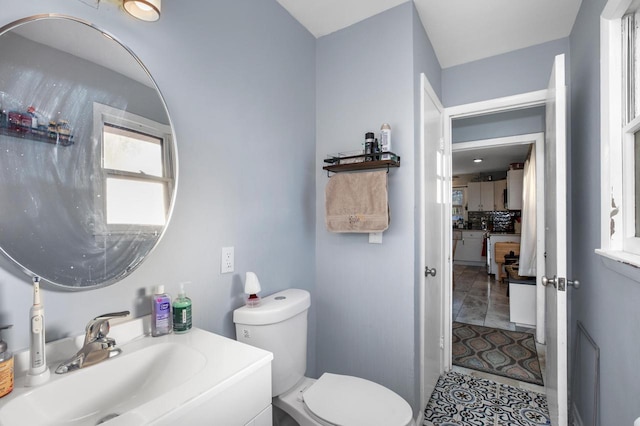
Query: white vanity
193, 378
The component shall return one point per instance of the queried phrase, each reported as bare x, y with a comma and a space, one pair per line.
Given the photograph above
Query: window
136, 173
457, 205
620, 131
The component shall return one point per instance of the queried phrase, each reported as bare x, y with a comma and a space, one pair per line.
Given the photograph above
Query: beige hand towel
357, 202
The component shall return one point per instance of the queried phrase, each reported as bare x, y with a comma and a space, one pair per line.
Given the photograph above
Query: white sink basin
152, 381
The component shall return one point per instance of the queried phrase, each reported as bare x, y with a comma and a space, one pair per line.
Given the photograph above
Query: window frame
105, 114
617, 231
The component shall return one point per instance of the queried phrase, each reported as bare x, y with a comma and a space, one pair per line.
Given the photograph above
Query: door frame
520, 101
538, 140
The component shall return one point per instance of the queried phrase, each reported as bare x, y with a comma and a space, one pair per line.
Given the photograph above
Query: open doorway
551, 309
493, 303
488, 211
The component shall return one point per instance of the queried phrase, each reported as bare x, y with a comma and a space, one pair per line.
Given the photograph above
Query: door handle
546, 281
428, 271
559, 283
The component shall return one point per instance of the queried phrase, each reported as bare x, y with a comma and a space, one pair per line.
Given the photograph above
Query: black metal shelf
28, 133
358, 162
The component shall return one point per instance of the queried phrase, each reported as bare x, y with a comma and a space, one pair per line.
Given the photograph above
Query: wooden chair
500, 250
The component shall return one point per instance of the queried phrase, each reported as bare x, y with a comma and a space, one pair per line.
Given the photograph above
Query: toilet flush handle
428, 271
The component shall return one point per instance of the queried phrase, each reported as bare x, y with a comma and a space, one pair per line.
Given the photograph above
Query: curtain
528, 230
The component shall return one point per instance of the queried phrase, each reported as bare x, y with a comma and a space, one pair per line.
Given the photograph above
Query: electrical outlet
226, 260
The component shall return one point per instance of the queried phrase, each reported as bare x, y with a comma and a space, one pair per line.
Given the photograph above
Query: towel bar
330, 171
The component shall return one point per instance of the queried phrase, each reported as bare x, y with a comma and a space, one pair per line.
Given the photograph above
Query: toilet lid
347, 400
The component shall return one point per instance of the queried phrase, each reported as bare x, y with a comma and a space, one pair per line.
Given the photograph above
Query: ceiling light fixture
477, 160
146, 10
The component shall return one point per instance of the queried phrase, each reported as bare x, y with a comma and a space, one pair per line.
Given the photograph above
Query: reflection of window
136, 169
457, 204
135, 192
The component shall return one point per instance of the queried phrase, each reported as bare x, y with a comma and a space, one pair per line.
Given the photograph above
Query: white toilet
279, 325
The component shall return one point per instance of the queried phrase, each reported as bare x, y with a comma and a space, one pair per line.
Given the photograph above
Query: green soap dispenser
182, 321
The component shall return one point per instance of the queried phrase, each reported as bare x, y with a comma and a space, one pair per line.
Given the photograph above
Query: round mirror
88, 162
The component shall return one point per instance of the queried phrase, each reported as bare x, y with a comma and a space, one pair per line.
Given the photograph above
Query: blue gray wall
607, 302
257, 103
239, 82
365, 292
509, 123
511, 73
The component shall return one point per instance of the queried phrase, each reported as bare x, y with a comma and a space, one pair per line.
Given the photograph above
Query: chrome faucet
97, 346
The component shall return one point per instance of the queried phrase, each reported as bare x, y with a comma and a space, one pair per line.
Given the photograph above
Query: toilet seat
347, 400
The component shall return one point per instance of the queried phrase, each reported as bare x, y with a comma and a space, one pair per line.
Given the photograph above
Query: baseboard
419, 418
469, 263
576, 420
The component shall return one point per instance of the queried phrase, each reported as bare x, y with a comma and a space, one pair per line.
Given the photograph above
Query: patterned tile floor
480, 299
465, 397
463, 400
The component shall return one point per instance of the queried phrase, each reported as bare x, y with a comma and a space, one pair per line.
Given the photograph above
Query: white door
556, 245
434, 271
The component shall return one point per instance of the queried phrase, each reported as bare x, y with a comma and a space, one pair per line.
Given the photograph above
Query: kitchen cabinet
481, 196
514, 189
499, 188
469, 248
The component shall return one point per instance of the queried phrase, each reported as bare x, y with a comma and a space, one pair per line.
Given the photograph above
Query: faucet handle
99, 327
112, 315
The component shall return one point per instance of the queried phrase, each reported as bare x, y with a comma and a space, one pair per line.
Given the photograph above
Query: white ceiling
494, 159
461, 31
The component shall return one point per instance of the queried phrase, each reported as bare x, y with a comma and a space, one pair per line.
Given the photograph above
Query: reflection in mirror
87, 154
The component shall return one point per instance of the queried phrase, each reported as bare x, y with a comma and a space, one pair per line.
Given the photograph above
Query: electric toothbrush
38, 371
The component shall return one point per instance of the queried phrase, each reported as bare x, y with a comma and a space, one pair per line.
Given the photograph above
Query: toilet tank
278, 325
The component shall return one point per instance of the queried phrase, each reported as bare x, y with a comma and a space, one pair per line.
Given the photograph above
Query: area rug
462, 400
492, 350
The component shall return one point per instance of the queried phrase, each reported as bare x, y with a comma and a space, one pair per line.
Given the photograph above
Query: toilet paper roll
637, 422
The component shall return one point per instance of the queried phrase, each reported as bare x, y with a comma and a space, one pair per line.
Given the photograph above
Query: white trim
524, 100
425, 87
620, 256
621, 263
421, 253
540, 243
509, 140
610, 110
617, 164
614, 9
